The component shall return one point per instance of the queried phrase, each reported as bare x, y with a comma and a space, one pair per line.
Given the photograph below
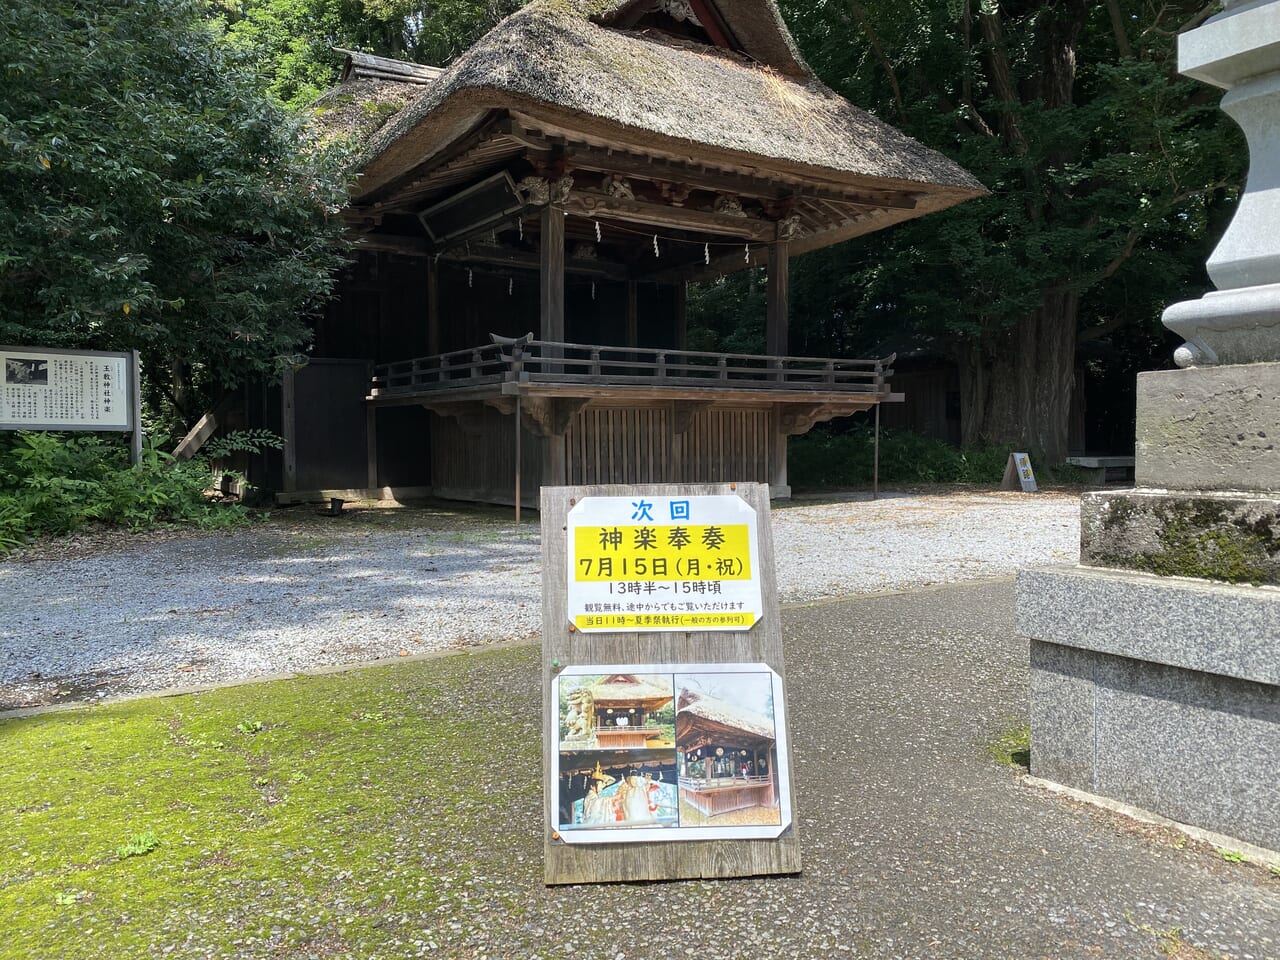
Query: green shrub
824, 458
53, 484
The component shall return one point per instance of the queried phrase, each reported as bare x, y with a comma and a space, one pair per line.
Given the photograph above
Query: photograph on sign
653, 564
726, 742
616, 790
617, 712
61, 390
24, 370
697, 752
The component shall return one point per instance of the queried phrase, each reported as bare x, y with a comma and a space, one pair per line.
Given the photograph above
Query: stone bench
1098, 470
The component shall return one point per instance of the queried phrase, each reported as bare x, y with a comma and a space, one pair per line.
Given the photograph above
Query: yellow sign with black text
663, 564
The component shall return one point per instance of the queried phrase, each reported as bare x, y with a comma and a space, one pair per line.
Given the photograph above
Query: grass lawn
331, 816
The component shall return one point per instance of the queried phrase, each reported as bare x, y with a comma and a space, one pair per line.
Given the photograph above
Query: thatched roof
560, 60
720, 714
625, 688
359, 108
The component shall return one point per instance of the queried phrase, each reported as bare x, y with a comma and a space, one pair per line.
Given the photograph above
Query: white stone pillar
1239, 51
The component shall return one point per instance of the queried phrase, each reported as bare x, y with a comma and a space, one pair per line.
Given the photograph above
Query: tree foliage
1108, 174
293, 40
153, 197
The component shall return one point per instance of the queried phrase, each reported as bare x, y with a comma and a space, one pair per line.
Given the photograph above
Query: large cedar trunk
1016, 387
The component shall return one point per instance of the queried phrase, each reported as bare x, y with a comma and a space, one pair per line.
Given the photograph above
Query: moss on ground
330, 816
1012, 748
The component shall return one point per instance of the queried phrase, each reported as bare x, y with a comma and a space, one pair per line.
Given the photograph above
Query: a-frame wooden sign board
666, 750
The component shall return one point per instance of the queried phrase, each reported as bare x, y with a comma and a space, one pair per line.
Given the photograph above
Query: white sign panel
650, 564
661, 753
44, 389
1026, 476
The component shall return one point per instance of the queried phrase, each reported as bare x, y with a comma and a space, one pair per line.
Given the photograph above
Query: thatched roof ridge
629, 688
725, 714
551, 59
757, 25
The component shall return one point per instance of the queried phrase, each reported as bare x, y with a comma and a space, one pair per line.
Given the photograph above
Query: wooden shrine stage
591, 413
727, 794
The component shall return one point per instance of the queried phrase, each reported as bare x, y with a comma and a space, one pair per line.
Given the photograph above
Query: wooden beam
712, 22
552, 274
527, 260
383, 196
386, 243
602, 206
720, 181
776, 323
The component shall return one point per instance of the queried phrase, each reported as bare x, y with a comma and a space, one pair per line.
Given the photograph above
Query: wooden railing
723, 783
537, 361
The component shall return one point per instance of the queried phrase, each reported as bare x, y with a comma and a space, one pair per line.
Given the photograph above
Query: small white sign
1019, 471
653, 564
61, 390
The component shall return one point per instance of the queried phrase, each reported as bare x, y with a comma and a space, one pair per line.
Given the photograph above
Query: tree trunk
1016, 387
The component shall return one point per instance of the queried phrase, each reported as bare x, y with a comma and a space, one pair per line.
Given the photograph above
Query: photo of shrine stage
616, 712
609, 770
727, 748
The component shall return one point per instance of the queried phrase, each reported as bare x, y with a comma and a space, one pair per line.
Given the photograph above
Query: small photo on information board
670, 753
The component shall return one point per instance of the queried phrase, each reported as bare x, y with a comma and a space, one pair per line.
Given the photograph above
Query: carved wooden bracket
795, 420
470, 416
675, 193
550, 416
618, 187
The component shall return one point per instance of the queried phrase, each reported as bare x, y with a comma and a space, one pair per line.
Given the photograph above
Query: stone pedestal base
1210, 429
1161, 692
1234, 538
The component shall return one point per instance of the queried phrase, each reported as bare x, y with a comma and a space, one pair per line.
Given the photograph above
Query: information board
663, 725
1018, 474
667, 753
662, 563
45, 389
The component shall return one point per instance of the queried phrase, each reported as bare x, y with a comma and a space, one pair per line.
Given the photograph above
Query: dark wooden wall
615, 443
475, 459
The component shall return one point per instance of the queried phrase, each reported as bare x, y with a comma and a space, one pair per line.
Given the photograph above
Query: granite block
1192, 624
1212, 428
1062, 703
1195, 747
1229, 537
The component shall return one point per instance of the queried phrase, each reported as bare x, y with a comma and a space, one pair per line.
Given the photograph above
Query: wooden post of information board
563, 647
135, 408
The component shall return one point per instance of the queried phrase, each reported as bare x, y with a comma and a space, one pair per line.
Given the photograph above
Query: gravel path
303, 592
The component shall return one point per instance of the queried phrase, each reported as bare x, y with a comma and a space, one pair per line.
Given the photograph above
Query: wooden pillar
371, 439
289, 432
776, 339
555, 462
433, 308
682, 315
552, 317
779, 296
779, 488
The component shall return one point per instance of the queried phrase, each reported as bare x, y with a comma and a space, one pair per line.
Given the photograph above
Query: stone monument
1155, 664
